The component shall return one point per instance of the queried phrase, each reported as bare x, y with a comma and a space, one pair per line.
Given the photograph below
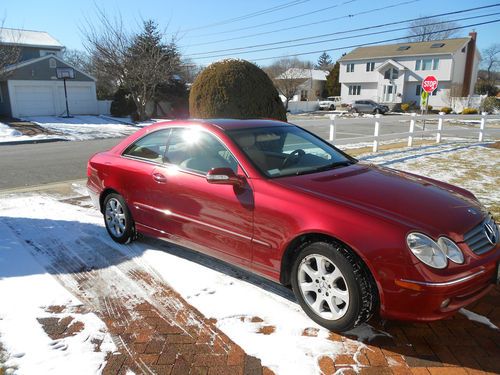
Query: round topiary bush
235, 89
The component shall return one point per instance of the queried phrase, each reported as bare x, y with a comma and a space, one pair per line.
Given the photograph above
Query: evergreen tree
324, 62
150, 63
332, 81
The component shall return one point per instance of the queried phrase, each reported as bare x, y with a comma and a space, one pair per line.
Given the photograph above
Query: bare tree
424, 30
491, 61
138, 62
78, 59
288, 74
9, 51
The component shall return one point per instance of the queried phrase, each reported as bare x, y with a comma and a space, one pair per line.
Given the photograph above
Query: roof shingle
415, 49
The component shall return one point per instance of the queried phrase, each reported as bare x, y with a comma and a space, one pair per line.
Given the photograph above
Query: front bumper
429, 301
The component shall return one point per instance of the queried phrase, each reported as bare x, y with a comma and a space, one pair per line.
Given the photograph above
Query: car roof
231, 124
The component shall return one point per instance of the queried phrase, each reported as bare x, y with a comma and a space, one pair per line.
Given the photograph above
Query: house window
391, 74
350, 68
303, 95
52, 63
464, 49
427, 64
47, 52
403, 48
370, 66
437, 45
355, 90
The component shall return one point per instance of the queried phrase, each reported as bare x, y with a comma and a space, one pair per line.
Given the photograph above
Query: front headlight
426, 250
451, 250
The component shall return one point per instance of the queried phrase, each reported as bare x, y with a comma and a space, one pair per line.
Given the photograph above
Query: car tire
332, 108
339, 296
117, 219
377, 111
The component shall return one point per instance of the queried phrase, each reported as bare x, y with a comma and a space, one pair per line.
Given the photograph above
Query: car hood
418, 202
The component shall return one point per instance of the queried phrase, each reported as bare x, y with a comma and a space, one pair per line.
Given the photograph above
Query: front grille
477, 239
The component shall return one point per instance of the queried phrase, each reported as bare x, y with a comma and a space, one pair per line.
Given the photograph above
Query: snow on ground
243, 304
478, 318
26, 290
7, 132
79, 128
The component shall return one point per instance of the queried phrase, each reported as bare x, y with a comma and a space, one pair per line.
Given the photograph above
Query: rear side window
197, 150
150, 147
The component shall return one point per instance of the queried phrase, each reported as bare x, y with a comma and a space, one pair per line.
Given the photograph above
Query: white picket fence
410, 135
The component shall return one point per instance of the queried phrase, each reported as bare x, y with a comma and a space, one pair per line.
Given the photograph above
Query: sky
202, 28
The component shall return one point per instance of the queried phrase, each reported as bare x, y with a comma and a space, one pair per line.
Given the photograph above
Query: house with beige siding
393, 73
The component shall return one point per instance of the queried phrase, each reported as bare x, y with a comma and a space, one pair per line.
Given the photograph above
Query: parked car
277, 200
367, 106
327, 104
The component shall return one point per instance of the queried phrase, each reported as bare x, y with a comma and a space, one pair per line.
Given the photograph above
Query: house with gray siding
30, 87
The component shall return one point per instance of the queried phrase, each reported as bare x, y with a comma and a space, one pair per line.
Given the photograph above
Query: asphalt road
38, 164
43, 163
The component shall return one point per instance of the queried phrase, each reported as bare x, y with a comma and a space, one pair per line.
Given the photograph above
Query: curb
33, 141
44, 187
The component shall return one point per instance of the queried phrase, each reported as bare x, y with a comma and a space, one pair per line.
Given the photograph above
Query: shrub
469, 111
446, 110
405, 107
235, 89
429, 107
490, 104
122, 104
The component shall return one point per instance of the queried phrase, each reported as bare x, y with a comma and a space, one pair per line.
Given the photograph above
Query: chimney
469, 63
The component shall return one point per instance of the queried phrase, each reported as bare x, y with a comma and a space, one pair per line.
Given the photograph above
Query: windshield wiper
332, 166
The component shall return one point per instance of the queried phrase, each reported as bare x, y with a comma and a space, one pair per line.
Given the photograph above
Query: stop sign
429, 84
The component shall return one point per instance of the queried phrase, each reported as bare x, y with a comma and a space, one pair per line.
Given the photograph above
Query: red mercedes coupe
351, 238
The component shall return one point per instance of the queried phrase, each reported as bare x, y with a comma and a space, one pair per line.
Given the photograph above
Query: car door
137, 173
213, 218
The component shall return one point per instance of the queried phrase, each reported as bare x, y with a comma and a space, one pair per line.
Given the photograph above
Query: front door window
389, 93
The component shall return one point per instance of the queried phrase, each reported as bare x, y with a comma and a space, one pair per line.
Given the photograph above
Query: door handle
158, 177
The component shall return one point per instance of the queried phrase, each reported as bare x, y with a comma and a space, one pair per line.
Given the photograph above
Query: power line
249, 15
280, 20
377, 42
335, 39
307, 24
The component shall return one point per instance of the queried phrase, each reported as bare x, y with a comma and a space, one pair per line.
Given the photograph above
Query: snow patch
478, 318
27, 289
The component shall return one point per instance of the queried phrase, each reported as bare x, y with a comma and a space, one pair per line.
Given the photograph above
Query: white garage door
81, 99
34, 100
46, 98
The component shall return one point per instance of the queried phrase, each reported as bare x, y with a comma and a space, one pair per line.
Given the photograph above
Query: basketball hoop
64, 74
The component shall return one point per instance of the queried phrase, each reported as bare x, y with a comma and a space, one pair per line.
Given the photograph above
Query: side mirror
223, 176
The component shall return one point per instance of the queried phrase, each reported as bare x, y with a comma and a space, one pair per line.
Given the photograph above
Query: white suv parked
327, 104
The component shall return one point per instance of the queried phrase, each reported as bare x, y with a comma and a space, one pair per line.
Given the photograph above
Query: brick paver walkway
453, 346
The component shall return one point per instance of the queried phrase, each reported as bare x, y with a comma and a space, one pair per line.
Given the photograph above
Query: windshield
287, 150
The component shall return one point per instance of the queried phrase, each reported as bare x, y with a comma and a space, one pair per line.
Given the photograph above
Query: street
43, 163
38, 164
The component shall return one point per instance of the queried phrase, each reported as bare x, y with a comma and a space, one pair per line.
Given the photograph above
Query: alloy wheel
323, 287
115, 217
